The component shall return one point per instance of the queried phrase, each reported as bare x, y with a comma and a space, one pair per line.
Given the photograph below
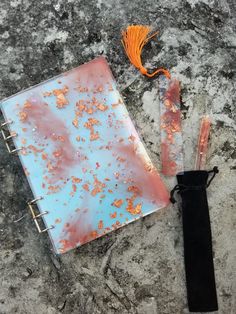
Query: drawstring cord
215, 170
181, 188
177, 188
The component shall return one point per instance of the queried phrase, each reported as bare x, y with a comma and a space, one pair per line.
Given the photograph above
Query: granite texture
139, 268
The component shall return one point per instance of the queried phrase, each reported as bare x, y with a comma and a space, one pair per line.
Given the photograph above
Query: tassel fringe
134, 38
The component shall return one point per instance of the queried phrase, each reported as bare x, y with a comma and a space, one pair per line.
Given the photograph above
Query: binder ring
36, 216
35, 200
11, 151
8, 137
7, 122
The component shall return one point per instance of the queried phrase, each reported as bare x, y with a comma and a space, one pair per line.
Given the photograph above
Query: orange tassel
134, 38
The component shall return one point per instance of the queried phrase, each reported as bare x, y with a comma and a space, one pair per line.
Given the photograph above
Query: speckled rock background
139, 268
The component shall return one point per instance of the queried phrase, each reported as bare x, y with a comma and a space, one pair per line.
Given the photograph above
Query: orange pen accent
202, 143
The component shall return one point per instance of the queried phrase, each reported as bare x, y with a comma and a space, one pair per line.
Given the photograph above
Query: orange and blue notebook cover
85, 163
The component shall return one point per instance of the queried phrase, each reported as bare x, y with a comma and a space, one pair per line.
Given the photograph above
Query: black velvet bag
199, 267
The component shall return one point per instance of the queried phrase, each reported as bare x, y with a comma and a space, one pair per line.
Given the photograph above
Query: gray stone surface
139, 268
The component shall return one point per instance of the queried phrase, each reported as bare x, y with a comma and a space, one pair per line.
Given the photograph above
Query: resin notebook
85, 163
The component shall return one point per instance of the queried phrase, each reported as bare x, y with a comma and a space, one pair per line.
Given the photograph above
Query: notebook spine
7, 136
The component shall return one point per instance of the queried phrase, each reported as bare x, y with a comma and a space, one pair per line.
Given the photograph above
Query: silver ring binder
8, 137
11, 151
36, 216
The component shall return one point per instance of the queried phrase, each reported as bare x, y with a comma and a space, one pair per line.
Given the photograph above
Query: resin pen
171, 131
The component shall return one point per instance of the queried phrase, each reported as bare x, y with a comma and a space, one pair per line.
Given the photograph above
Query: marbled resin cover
82, 154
